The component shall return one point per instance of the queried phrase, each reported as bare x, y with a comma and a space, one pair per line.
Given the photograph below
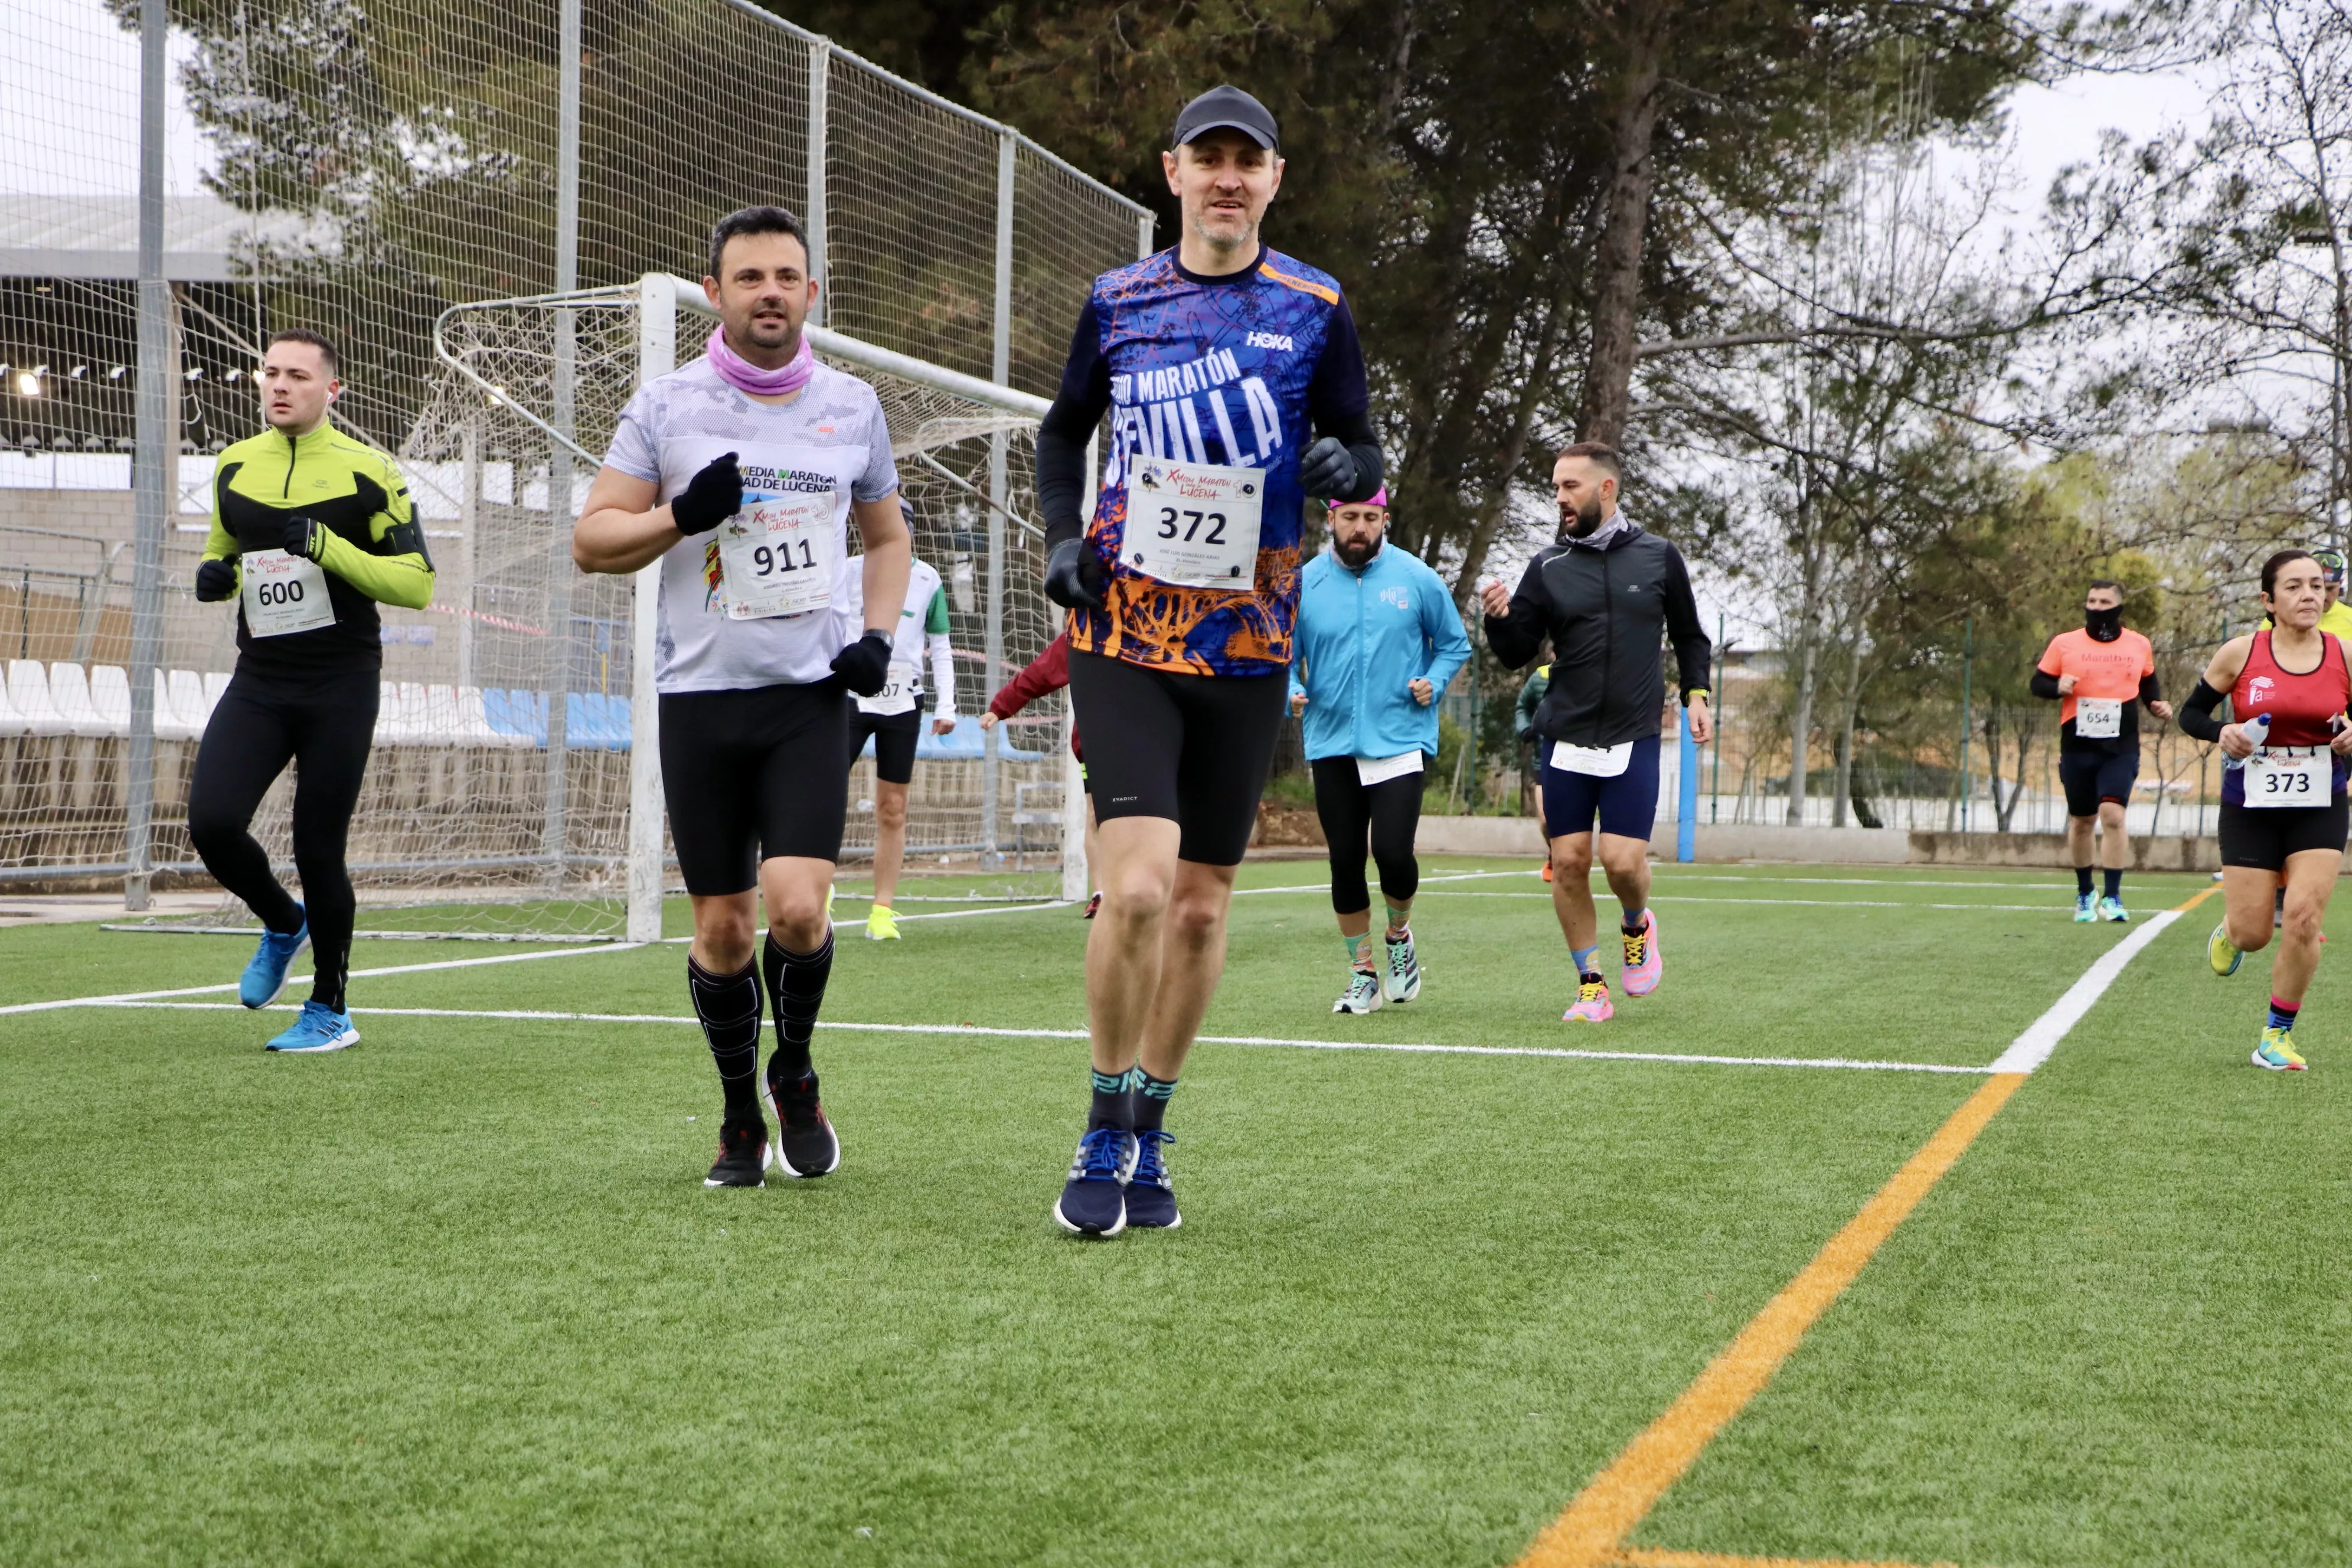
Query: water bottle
2258, 730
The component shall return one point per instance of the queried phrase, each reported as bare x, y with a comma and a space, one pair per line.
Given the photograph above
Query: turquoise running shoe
320, 1028
2113, 910
2083, 913
265, 976
2277, 1052
2223, 957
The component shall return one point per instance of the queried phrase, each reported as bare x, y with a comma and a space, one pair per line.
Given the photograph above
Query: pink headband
1380, 498
744, 377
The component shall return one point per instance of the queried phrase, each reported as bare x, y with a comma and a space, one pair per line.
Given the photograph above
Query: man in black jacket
1607, 595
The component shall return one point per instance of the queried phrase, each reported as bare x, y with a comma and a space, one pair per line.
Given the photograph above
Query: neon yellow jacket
374, 551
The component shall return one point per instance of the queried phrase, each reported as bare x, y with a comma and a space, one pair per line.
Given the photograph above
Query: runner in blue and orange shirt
1235, 390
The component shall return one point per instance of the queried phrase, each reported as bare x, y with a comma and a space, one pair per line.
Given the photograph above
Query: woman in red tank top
2283, 815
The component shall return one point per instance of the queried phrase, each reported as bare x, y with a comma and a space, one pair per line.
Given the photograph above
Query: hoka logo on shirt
786, 481
1273, 340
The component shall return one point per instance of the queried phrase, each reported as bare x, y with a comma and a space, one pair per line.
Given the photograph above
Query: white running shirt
832, 438
908, 638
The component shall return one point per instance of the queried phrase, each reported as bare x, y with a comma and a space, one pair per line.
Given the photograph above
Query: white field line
1806, 903
2031, 1048
532, 1016
134, 997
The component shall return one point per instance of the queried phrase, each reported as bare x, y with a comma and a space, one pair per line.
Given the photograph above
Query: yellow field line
1588, 1533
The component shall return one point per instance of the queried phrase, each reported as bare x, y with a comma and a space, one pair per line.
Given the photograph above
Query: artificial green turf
458, 1296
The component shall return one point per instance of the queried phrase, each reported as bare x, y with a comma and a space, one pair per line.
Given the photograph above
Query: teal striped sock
1114, 1105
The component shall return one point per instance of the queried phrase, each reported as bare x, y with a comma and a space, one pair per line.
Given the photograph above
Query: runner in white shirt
739, 472
892, 718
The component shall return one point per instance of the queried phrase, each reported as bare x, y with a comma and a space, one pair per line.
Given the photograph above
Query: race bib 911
776, 556
283, 594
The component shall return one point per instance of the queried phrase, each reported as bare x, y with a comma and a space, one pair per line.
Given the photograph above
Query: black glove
1329, 469
710, 498
216, 581
306, 537
864, 665
1074, 576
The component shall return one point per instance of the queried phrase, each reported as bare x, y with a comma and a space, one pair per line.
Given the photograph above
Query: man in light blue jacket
1378, 639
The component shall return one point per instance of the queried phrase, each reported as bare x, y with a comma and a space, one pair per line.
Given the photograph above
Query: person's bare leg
889, 839
1626, 863
1124, 948
1572, 890
2115, 844
1193, 959
724, 927
793, 888
2247, 893
2310, 878
2080, 851
1358, 924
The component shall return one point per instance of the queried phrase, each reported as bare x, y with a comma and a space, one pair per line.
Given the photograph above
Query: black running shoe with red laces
742, 1156
806, 1145
1094, 906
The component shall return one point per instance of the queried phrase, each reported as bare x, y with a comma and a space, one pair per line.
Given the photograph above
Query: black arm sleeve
1340, 402
1693, 652
2149, 691
2197, 717
2045, 686
1518, 636
1069, 426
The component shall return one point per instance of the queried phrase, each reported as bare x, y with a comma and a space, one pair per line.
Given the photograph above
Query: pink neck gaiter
744, 377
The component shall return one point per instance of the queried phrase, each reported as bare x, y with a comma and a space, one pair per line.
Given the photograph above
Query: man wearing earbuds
739, 472
311, 529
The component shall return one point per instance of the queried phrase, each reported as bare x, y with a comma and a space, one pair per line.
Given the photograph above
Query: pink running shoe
1643, 963
1591, 1004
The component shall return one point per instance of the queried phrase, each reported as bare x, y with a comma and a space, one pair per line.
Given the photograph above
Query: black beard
1355, 557
1582, 522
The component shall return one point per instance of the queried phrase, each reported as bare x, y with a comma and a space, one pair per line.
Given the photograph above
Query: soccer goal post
530, 390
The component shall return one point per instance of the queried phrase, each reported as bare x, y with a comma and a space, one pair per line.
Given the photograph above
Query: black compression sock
1152, 1098
797, 987
1113, 1100
2115, 883
2083, 881
729, 1008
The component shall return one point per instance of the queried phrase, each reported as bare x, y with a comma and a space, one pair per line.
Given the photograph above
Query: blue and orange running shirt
1241, 370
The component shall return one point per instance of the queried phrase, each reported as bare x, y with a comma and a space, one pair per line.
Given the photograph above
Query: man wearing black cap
1235, 390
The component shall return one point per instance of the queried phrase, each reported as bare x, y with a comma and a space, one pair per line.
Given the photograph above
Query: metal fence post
1686, 795
813, 219
149, 460
553, 840
1001, 373
657, 355
1967, 718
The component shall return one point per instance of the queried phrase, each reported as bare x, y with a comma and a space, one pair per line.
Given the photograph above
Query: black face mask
2104, 626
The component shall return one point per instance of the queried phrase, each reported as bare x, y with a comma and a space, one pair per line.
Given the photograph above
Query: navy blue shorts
2090, 777
1627, 805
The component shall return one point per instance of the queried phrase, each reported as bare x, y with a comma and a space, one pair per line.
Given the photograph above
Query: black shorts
1193, 749
2264, 837
2090, 777
894, 741
1626, 803
751, 775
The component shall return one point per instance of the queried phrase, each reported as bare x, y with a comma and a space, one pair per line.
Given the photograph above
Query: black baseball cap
1223, 107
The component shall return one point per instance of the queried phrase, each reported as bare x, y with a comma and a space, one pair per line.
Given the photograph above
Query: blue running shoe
1150, 1195
320, 1028
2083, 914
1093, 1200
265, 977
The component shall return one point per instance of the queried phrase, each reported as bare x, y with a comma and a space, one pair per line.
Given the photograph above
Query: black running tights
1385, 816
324, 727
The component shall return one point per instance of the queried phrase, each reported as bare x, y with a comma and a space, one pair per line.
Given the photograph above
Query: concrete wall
1832, 846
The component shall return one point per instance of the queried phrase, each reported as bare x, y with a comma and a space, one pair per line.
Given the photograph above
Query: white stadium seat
10, 721
215, 683
189, 700
28, 694
69, 690
474, 718
110, 694
170, 725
